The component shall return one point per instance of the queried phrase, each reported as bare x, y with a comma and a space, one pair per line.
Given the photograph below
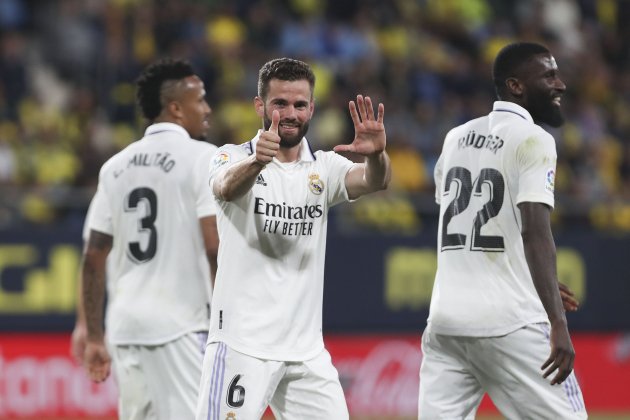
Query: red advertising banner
380, 373
39, 379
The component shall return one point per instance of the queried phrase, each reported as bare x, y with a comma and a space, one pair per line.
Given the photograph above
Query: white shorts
161, 381
457, 371
234, 385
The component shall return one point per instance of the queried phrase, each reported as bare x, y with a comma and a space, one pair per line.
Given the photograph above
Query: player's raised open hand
269, 141
369, 130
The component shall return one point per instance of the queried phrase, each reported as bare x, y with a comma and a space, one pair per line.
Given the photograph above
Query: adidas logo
260, 180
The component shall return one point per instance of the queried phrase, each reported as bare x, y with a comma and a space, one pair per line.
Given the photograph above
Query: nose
288, 113
559, 85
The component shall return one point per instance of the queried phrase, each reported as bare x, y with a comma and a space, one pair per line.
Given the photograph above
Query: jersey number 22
461, 176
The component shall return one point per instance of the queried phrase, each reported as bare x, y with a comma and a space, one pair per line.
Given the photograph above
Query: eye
551, 74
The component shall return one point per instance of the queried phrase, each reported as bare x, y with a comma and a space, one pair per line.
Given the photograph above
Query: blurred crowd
67, 72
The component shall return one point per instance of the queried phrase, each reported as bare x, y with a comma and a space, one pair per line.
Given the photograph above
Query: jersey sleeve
226, 156
536, 162
437, 178
99, 217
337, 169
205, 202
85, 233
438, 170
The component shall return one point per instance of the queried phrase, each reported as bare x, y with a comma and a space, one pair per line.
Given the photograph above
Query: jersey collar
306, 153
165, 126
511, 107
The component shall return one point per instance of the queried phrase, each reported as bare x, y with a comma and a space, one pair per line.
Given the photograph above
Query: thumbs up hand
269, 141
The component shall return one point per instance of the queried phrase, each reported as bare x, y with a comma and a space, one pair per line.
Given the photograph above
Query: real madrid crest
315, 184
230, 416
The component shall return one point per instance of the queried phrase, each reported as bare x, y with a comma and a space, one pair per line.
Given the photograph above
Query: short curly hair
508, 61
149, 83
287, 69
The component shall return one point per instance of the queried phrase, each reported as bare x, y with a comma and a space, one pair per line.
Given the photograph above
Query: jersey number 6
236, 393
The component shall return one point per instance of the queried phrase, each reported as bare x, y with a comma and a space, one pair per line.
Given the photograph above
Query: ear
515, 87
312, 107
259, 104
174, 109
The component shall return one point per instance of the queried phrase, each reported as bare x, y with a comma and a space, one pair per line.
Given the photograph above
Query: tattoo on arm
93, 275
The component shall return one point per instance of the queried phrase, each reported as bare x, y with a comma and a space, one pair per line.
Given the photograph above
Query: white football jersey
268, 293
150, 198
489, 165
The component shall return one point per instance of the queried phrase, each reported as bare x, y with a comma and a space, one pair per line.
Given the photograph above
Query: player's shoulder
238, 149
478, 125
200, 149
330, 159
231, 153
120, 157
526, 131
326, 154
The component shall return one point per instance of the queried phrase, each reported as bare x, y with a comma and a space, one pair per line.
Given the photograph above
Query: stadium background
66, 104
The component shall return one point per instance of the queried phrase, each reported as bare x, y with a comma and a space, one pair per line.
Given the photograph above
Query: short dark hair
287, 69
149, 84
509, 59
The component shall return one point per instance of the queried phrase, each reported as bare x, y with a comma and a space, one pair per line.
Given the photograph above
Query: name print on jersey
160, 160
480, 141
279, 218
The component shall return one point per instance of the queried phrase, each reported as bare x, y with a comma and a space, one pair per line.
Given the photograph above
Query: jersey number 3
147, 223
461, 176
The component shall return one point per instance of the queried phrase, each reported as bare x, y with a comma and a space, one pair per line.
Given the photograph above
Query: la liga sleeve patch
221, 159
550, 180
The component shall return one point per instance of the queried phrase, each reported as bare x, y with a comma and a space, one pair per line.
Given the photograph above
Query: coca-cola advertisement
379, 373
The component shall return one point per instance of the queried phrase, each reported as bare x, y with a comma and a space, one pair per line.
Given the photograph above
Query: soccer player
265, 345
153, 209
496, 321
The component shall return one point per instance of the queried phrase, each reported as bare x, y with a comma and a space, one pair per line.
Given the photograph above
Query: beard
545, 111
287, 141
201, 137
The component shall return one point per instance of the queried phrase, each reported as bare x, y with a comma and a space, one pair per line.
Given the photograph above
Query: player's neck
289, 154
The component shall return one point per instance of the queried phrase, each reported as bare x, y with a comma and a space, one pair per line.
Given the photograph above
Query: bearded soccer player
265, 345
496, 321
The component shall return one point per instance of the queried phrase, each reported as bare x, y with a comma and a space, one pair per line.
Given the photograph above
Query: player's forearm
540, 253
93, 275
80, 315
211, 242
238, 179
93, 282
377, 171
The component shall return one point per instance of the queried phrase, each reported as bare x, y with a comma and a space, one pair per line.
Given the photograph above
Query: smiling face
294, 102
542, 89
